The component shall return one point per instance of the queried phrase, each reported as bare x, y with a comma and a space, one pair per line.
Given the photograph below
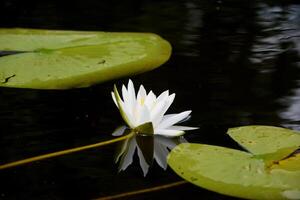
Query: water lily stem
64, 152
153, 189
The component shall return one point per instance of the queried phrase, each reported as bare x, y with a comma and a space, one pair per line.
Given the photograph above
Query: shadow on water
233, 63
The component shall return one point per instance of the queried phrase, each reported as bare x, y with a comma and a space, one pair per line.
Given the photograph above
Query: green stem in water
137, 192
64, 152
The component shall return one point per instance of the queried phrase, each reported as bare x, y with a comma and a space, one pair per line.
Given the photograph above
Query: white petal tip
130, 83
183, 128
170, 133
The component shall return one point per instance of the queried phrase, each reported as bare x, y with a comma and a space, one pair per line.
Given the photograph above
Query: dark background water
234, 63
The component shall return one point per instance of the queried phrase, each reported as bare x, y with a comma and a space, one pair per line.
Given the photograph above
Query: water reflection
279, 31
191, 26
276, 51
149, 148
291, 114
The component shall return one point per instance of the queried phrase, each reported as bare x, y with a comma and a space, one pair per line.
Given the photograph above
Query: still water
234, 63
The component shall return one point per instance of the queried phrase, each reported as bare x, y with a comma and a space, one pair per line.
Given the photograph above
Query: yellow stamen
142, 101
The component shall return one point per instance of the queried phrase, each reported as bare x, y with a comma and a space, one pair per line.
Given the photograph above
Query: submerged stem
153, 189
63, 152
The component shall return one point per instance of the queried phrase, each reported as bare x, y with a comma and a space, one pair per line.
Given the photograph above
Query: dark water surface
234, 63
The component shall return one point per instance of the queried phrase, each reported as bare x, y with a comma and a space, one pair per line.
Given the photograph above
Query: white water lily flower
143, 108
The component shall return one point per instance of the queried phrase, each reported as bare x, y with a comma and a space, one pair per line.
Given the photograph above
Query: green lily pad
45, 59
271, 143
291, 163
243, 174
232, 172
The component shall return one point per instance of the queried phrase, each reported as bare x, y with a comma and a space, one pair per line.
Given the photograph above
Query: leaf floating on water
270, 142
45, 59
242, 174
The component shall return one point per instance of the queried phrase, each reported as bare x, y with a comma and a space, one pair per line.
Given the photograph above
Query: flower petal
160, 115
124, 147
126, 100
185, 119
150, 100
131, 95
124, 93
163, 96
127, 159
169, 143
128, 118
160, 104
144, 116
119, 131
141, 95
170, 101
144, 165
168, 120
157, 110
168, 133
160, 154
114, 99
182, 128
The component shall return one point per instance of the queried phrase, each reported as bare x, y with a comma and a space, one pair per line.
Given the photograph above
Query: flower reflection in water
149, 148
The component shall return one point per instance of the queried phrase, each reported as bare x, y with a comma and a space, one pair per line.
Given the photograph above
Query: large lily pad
242, 174
45, 59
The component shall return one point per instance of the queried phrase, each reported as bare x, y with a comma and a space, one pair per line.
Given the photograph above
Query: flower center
142, 101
